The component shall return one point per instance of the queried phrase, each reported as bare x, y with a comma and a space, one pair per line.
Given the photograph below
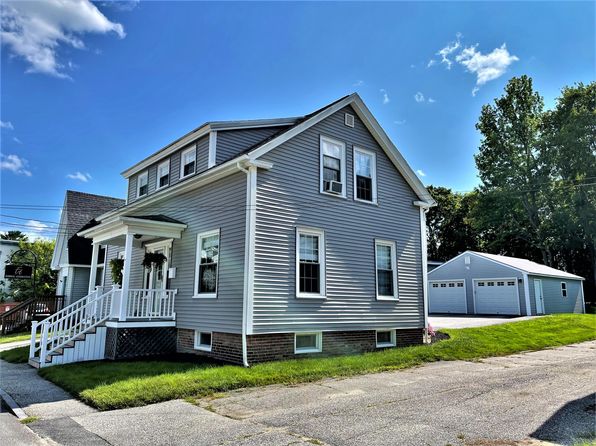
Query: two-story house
281, 238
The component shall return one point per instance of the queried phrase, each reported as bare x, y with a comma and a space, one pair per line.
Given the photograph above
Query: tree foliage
537, 197
45, 277
13, 235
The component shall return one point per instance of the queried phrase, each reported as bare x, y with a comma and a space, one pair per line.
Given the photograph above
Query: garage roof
527, 266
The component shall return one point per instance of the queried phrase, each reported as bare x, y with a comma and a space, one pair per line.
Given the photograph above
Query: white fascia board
200, 132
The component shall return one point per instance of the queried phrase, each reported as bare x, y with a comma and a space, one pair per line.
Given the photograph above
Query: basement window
203, 340
308, 342
385, 338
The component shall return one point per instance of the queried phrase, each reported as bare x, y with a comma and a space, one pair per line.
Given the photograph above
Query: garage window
490, 283
563, 289
435, 285
460, 284
511, 283
500, 283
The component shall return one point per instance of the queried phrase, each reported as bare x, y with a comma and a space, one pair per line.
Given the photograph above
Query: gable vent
349, 120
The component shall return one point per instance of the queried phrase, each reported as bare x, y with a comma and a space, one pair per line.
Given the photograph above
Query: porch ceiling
144, 228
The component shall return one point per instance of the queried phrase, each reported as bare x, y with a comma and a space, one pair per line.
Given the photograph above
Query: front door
156, 279
538, 296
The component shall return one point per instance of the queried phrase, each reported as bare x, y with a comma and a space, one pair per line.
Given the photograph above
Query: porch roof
145, 226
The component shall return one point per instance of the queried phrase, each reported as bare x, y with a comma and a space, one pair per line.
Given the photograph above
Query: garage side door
496, 296
447, 296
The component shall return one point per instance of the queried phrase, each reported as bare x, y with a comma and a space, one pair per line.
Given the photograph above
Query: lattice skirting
122, 343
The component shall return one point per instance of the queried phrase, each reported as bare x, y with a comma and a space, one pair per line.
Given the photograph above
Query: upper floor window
142, 184
333, 167
163, 174
386, 266
310, 263
188, 164
365, 175
207, 262
563, 289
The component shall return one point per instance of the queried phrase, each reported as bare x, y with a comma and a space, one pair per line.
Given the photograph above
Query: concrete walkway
11, 345
524, 399
473, 321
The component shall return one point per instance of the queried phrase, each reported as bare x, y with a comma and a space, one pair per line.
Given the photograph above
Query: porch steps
88, 346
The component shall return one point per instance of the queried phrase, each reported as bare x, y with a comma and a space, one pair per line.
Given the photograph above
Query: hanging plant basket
153, 259
116, 266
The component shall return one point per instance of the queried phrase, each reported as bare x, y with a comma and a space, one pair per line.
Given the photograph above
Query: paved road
520, 399
472, 321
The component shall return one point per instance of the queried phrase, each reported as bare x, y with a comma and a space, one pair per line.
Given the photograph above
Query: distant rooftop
528, 266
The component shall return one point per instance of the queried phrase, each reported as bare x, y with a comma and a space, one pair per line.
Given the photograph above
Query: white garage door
496, 296
447, 296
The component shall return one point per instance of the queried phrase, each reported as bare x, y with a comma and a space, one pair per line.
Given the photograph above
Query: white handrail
150, 304
62, 327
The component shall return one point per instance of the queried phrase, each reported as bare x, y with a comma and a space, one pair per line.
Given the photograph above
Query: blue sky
112, 83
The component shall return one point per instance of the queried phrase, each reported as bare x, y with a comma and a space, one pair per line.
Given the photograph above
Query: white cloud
17, 140
431, 100
35, 31
400, 122
421, 173
6, 125
84, 177
419, 97
359, 83
475, 90
386, 99
486, 67
15, 164
36, 230
121, 5
447, 50
431, 63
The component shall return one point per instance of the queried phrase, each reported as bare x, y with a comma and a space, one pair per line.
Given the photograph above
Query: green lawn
17, 355
14, 337
111, 385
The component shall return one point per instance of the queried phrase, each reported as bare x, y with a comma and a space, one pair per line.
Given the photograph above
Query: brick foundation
123, 343
277, 346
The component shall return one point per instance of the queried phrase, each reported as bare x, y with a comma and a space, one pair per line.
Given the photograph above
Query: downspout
423, 207
251, 180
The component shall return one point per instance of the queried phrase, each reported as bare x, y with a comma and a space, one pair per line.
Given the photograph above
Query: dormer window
163, 174
189, 162
142, 184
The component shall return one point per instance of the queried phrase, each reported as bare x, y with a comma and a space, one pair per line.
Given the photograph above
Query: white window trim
144, 174
391, 343
197, 340
342, 166
200, 238
321, 234
317, 349
373, 172
566, 290
392, 244
157, 186
184, 152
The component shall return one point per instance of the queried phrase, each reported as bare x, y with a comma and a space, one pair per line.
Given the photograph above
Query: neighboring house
480, 283
72, 254
433, 264
282, 238
7, 247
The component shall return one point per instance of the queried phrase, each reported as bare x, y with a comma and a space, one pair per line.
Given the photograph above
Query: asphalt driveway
463, 321
524, 399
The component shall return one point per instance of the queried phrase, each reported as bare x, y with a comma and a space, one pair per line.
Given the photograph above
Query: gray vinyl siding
231, 143
137, 272
220, 205
479, 268
79, 284
551, 292
288, 196
202, 148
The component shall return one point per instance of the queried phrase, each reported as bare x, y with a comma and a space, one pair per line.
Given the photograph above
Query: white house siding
479, 268
288, 196
551, 292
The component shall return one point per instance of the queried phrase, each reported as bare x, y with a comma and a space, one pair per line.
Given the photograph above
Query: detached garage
488, 284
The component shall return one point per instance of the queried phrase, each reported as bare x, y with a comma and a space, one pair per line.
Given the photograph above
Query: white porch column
126, 275
93, 272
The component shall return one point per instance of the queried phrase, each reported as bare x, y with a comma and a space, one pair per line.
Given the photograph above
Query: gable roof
522, 265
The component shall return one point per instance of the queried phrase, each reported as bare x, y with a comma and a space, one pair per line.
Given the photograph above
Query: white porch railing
150, 304
72, 321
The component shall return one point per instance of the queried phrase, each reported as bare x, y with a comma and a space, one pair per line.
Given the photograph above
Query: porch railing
150, 304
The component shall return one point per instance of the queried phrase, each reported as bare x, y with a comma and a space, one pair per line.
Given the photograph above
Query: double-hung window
563, 289
142, 184
386, 266
365, 175
333, 167
207, 263
163, 174
188, 164
310, 263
